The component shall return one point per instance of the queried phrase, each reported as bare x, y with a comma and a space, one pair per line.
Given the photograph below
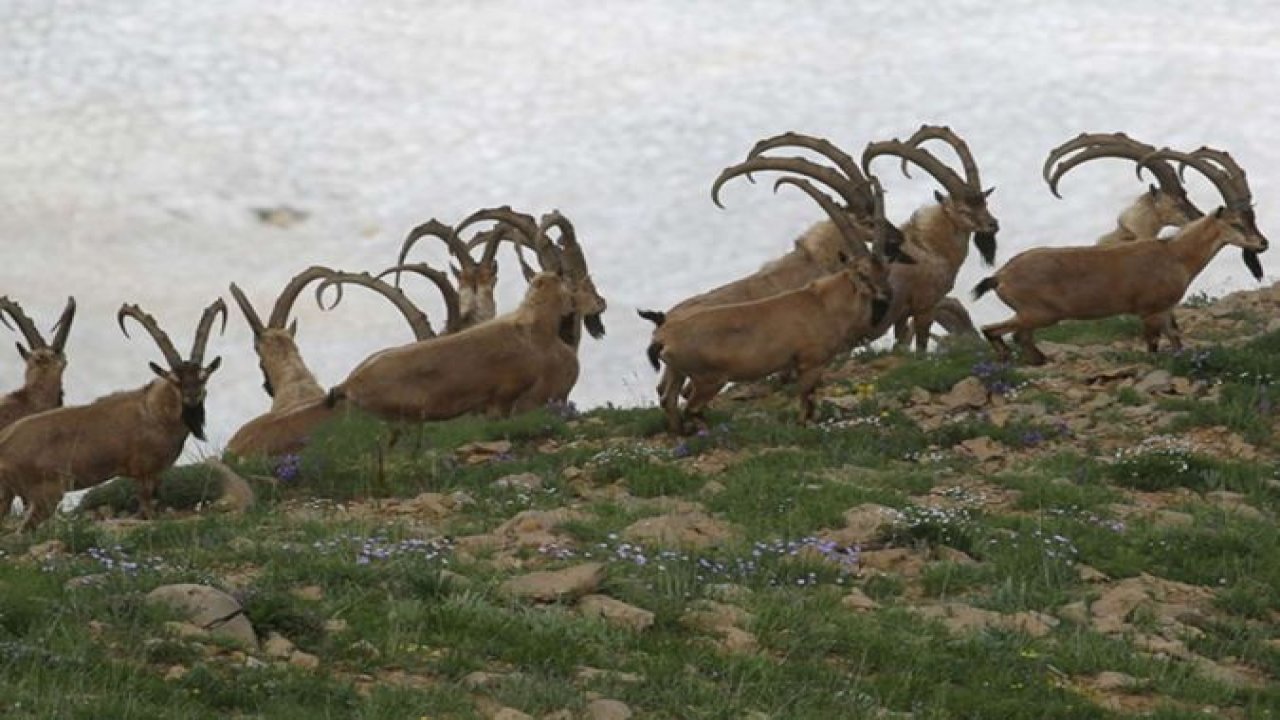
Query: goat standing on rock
1143, 278
137, 433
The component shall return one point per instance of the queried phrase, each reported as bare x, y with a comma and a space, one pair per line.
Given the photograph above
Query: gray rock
207, 608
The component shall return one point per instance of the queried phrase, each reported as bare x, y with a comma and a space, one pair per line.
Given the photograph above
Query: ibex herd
848, 280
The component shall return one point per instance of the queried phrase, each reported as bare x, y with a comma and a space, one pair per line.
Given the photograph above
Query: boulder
209, 609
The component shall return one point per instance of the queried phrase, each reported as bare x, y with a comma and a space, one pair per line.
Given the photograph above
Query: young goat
286, 377
504, 366
798, 331
1145, 278
137, 433
936, 236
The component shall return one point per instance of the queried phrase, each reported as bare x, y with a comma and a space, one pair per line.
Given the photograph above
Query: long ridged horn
573, 261
34, 339
62, 328
148, 323
437, 229
505, 217
1229, 165
1220, 177
828, 150
853, 238
418, 321
207, 318
950, 181
453, 313
855, 197
289, 295
1102, 145
947, 135
246, 307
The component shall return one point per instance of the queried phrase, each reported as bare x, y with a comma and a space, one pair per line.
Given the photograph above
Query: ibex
504, 366
798, 331
936, 236
825, 248
472, 301
286, 377
42, 385
137, 433
1147, 279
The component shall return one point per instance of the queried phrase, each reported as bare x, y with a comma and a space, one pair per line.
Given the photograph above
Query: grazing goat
798, 331
1144, 278
286, 377
937, 236
137, 433
42, 384
504, 366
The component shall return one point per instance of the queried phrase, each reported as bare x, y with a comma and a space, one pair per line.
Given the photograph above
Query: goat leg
671, 402
41, 504
146, 496
1026, 339
806, 383
994, 333
703, 393
922, 323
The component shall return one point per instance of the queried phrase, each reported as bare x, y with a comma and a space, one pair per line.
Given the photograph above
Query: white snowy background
138, 135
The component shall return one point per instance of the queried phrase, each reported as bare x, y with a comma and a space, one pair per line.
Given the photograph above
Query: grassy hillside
955, 539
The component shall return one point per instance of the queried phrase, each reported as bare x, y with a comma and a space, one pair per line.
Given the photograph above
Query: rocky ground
956, 538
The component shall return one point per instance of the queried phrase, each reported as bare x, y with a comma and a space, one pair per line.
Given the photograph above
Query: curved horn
1220, 178
63, 327
28, 329
289, 295
952, 182
250, 315
947, 135
504, 216
437, 229
855, 196
148, 323
852, 237
573, 261
417, 319
453, 313
1101, 145
823, 147
1228, 164
207, 318
550, 257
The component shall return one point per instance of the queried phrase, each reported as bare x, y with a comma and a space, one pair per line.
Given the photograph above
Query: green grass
392, 595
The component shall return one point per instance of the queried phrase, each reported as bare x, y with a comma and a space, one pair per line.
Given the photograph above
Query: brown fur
1143, 278
799, 331
501, 367
1149, 213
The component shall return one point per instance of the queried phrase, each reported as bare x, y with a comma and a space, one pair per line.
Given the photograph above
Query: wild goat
42, 385
1145, 278
825, 248
472, 301
504, 366
1165, 205
798, 331
936, 237
137, 433
286, 377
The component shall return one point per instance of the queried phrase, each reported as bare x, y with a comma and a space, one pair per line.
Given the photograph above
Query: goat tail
990, 283
655, 355
653, 316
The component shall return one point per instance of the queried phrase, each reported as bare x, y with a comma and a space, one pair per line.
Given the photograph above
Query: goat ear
217, 363
987, 193
293, 328
939, 197
158, 370
22, 351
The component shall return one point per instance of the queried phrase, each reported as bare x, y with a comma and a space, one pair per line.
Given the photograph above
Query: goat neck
1197, 244
291, 382
932, 229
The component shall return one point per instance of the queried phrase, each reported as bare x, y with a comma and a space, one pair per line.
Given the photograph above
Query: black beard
879, 308
569, 329
193, 418
1251, 262
986, 244
594, 325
